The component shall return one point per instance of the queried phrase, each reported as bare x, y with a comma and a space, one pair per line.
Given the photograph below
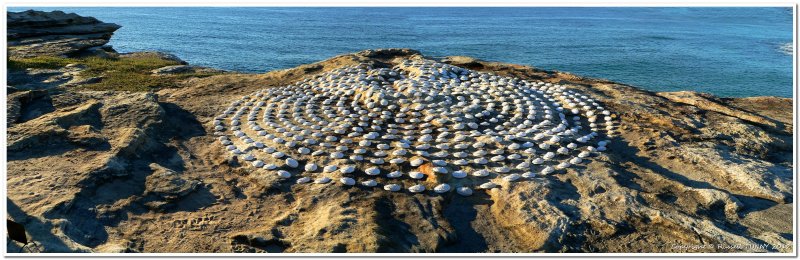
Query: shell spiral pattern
422, 125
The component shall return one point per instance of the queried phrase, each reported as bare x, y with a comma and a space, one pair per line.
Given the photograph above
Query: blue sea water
725, 51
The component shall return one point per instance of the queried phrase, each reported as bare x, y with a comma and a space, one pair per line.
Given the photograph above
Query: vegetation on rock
130, 73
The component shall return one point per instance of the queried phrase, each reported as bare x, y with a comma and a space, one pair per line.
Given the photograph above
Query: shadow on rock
461, 212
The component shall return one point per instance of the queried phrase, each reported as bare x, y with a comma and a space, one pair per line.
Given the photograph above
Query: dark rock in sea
37, 33
179, 69
158, 54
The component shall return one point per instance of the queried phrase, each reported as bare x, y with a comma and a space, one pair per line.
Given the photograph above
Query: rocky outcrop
688, 172
36, 33
43, 79
168, 184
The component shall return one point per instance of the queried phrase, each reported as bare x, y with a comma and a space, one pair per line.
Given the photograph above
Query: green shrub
126, 74
41, 62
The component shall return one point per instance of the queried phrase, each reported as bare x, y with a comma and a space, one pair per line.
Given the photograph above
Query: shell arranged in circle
422, 126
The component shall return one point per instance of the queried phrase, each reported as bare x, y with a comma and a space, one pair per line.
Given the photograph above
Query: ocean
730, 52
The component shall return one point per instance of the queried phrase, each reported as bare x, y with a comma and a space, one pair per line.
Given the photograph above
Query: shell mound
417, 125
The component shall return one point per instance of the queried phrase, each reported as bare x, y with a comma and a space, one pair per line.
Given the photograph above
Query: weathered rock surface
42, 79
168, 184
36, 33
687, 170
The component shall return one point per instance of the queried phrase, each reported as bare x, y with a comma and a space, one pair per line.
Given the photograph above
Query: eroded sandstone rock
685, 169
37, 33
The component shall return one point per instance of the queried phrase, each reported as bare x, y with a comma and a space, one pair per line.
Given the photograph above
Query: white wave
786, 48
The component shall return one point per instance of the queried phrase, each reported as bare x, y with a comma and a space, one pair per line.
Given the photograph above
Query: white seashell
347, 181
369, 183
497, 158
417, 162
248, 157
480, 173
502, 169
523, 166
416, 175
417, 188
392, 187
330, 168
440, 170
292, 163
311, 167
372, 171
397, 161
394, 174
481, 161
537, 161
464, 191
303, 180
284, 174
270, 166
511, 177
303, 150
547, 170
347, 169
460, 162
575, 160
322, 180
442, 188
488, 185
258, 163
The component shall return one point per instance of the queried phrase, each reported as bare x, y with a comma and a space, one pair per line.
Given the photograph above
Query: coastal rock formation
684, 172
37, 33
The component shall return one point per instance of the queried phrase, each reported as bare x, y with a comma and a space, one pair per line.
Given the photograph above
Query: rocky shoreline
106, 170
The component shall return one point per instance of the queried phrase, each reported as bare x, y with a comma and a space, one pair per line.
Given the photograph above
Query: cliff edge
93, 170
